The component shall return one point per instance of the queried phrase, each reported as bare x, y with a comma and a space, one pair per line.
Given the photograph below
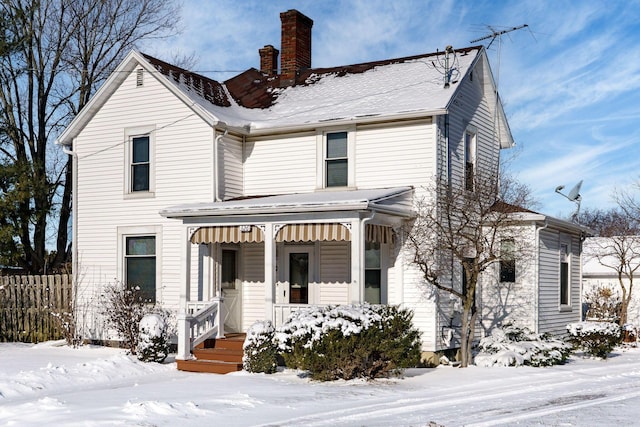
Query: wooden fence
31, 307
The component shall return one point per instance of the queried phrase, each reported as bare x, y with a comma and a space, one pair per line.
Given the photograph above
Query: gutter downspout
74, 230
536, 298
216, 176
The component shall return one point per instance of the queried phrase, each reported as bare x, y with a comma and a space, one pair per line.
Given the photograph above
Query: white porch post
184, 318
357, 255
269, 270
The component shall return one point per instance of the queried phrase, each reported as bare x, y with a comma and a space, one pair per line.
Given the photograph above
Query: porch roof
394, 201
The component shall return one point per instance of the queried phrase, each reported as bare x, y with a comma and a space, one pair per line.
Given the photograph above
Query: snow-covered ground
51, 384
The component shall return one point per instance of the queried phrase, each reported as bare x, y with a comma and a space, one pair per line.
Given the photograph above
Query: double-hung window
140, 163
372, 273
140, 265
470, 143
336, 160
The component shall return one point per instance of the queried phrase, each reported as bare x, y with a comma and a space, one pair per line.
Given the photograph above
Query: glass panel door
299, 277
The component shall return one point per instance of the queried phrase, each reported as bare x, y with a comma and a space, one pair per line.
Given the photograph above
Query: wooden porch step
218, 356
208, 366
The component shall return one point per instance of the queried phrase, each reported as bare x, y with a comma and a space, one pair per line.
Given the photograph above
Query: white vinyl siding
180, 145
231, 169
253, 291
283, 164
551, 317
395, 155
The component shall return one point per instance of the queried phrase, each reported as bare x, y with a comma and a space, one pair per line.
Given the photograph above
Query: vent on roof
139, 77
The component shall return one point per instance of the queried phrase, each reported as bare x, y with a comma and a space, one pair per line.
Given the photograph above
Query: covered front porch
263, 258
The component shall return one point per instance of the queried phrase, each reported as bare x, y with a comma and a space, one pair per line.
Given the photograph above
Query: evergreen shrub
260, 349
153, 338
512, 345
350, 341
596, 339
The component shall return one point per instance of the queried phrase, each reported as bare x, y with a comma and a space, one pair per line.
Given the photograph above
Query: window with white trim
336, 171
139, 162
508, 261
140, 265
372, 273
470, 142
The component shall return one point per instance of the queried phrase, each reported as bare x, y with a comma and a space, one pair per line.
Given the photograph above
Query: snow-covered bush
515, 346
123, 307
260, 348
595, 338
153, 338
350, 341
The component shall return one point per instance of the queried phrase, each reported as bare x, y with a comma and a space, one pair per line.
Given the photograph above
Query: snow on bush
596, 339
516, 346
260, 349
350, 341
153, 338
308, 325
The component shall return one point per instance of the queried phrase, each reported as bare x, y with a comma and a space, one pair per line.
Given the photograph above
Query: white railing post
184, 336
219, 316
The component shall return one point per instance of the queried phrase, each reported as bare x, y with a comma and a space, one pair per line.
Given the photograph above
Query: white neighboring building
595, 274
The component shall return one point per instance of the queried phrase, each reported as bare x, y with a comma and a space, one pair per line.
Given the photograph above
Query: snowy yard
50, 384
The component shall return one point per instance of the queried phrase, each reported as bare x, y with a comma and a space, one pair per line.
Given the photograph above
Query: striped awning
313, 232
379, 233
228, 234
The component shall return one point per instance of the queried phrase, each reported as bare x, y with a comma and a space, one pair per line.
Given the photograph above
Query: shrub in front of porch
260, 349
350, 341
596, 339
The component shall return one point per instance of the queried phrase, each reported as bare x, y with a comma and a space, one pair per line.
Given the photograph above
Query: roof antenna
573, 196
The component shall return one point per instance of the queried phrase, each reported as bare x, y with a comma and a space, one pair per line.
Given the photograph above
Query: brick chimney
295, 45
269, 60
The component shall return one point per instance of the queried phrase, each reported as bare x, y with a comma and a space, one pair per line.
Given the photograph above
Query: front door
299, 274
231, 290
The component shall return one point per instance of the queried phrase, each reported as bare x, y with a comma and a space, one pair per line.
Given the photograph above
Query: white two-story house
283, 187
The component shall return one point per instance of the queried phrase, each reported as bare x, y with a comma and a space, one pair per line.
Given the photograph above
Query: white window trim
228, 247
567, 242
129, 134
139, 231
321, 155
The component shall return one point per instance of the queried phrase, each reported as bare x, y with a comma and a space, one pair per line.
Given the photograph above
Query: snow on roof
385, 88
300, 202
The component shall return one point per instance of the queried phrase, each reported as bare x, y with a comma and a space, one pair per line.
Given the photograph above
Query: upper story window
470, 142
336, 160
140, 163
565, 274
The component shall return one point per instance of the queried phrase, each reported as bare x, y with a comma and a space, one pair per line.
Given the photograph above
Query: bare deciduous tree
460, 229
617, 246
66, 49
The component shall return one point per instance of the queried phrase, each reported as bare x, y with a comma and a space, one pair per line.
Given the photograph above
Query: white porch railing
282, 311
200, 321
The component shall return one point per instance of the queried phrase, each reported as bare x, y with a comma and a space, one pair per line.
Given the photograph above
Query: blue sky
570, 83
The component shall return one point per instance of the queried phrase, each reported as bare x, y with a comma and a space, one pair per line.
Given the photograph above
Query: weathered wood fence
31, 306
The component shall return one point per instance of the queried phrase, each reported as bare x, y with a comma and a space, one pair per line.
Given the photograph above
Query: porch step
218, 356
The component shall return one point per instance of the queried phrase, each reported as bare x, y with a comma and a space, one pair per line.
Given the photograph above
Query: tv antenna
495, 34
573, 196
